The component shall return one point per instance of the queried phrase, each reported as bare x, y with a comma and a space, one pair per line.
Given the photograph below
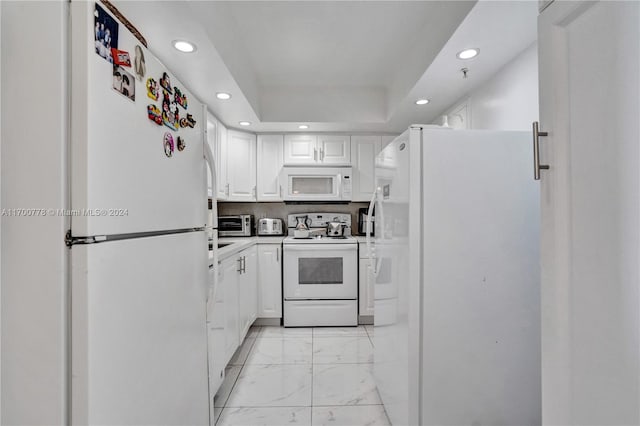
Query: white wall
33, 255
507, 101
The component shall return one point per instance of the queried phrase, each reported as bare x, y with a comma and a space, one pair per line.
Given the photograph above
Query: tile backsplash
281, 210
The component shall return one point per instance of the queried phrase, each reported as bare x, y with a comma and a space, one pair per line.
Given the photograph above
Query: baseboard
365, 319
269, 321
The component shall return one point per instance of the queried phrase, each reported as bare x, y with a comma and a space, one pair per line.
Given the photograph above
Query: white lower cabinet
248, 290
228, 283
238, 282
270, 280
365, 284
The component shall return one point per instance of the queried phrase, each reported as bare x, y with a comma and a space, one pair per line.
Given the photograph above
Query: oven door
320, 271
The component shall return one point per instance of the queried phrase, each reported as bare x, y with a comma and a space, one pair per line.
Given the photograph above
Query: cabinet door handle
536, 151
277, 255
239, 265
321, 154
315, 154
227, 191
280, 191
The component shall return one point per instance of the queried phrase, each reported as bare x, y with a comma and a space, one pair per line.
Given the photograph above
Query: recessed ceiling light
422, 101
303, 126
245, 123
184, 46
468, 53
222, 95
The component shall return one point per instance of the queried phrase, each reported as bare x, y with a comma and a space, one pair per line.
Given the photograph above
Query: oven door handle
320, 247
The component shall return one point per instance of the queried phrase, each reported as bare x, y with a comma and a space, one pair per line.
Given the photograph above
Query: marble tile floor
302, 376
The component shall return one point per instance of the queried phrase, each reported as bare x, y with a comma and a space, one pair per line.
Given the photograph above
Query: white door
139, 345
363, 155
221, 154
300, 149
269, 281
241, 166
335, 150
270, 157
589, 85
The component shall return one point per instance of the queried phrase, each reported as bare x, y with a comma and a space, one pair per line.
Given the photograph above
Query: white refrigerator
456, 266
139, 233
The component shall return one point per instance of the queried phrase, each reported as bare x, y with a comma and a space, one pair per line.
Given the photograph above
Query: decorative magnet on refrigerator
123, 82
170, 113
139, 65
120, 57
106, 33
167, 142
180, 98
165, 82
154, 114
188, 122
153, 91
181, 144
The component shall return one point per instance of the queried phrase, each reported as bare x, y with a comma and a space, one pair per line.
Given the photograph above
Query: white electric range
320, 274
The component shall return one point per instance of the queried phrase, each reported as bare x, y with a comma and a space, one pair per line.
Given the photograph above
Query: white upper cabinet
220, 153
317, 150
270, 157
300, 149
334, 150
211, 138
363, 155
241, 166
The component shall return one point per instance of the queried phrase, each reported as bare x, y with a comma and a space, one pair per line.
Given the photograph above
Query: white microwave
316, 183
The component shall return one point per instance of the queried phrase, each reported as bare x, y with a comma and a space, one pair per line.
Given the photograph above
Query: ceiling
354, 66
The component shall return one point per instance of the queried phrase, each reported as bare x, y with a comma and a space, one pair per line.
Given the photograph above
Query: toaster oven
235, 226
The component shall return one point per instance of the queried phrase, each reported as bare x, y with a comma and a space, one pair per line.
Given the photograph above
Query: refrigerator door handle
536, 151
375, 265
208, 155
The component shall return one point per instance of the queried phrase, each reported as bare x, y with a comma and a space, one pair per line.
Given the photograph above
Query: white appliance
457, 303
320, 274
139, 261
317, 183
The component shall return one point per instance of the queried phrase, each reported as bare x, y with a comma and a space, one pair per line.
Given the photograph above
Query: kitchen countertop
363, 239
237, 244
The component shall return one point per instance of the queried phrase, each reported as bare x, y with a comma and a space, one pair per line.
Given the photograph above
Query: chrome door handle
536, 151
280, 191
239, 265
244, 264
277, 255
315, 154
